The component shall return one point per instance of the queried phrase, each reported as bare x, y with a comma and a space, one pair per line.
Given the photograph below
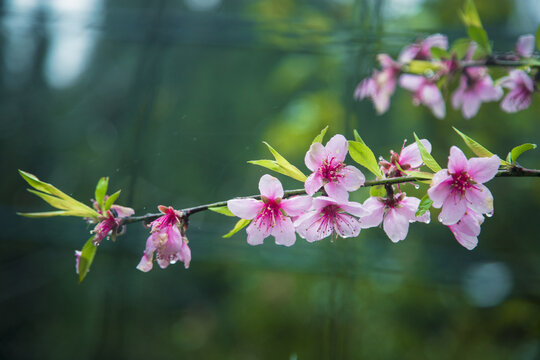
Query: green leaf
280, 165
425, 205
362, 154
439, 53
518, 150
422, 67
480, 36
377, 190
111, 200
221, 210
45, 214
538, 38
319, 138
242, 223
469, 15
62, 204
87, 257
460, 47
76, 208
426, 156
419, 174
101, 191
475, 147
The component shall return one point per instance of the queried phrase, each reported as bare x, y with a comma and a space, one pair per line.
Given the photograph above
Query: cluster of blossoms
475, 84
458, 190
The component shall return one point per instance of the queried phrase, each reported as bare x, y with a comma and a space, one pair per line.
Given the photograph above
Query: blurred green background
170, 98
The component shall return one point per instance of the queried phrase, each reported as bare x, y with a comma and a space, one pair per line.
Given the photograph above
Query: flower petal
483, 169
525, 45
411, 82
315, 156
375, 209
337, 191
440, 188
471, 105
146, 262
296, 205
453, 209
313, 183
256, 233
467, 241
352, 178
270, 187
480, 199
245, 208
457, 162
395, 225
354, 208
346, 226
284, 232
337, 147
411, 154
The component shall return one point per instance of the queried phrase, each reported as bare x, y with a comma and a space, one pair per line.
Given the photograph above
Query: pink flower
521, 91
525, 45
425, 92
422, 50
395, 213
475, 87
408, 159
459, 187
381, 85
167, 240
271, 216
467, 229
329, 171
106, 227
327, 217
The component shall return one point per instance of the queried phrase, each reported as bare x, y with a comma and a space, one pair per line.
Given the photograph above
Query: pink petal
516, 100
284, 232
408, 53
355, 208
453, 209
346, 226
425, 217
395, 225
471, 105
315, 156
375, 209
352, 178
411, 82
483, 169
270, 187
122, 211
337, 191
321, 202
146, 262
381, 101
296, 205
313, 183
304, 222
470, 223
436, 40
440, 188
256, 234
457, 162
409, 207
438, 109
245, 208
411, 154
525, 45
319, 229
366, 88
185, 254
386, 61
457, 97
337, 147
488, 92
480, 199
467, 241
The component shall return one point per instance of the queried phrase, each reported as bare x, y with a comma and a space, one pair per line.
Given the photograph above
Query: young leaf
460, 47
419, 174
362, 154
518, 150
439, 53
426, 156
319, 138
221, 210
73, 210
45, 214
101, 191
425, 205
480, 36
242, 223
87, 257
475, 147
470, 16
76, 208
421, 67
377, 190
110, 201
538, 38
287, 168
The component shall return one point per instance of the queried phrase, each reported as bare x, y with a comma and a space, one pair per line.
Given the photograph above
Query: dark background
170, 99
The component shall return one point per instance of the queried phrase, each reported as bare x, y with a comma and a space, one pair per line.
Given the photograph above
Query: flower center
270, 215
330, 170
461, 182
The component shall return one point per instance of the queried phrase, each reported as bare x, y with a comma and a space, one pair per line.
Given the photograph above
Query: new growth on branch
429, 68
319, 210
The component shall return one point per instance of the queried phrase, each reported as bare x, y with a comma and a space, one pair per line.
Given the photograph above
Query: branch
514, 171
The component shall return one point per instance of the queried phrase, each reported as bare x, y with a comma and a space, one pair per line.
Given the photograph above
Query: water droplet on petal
489, 214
